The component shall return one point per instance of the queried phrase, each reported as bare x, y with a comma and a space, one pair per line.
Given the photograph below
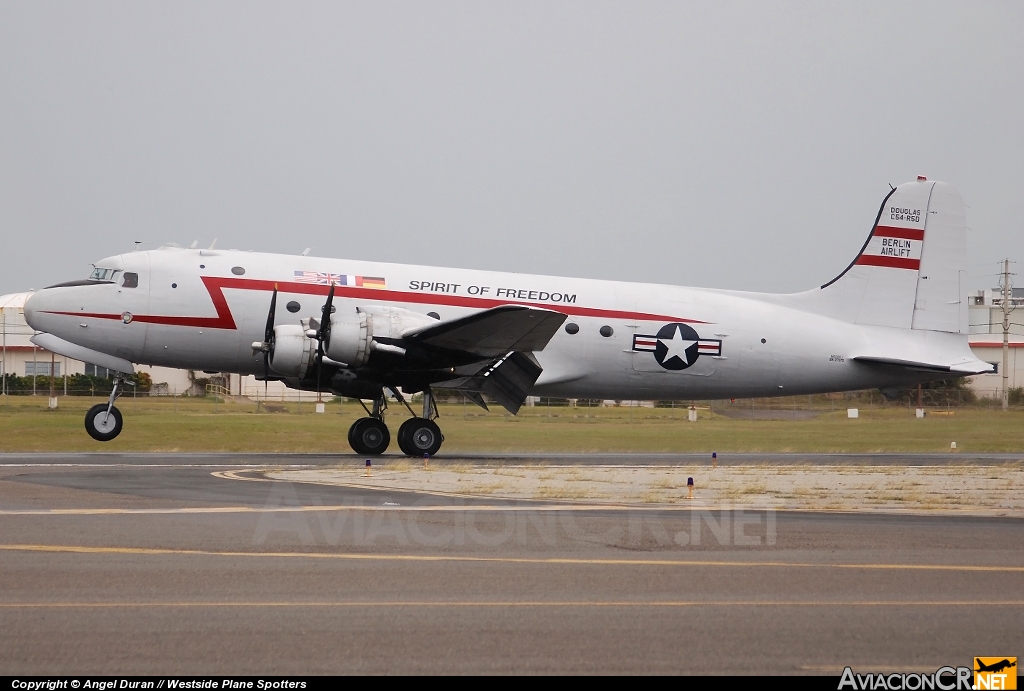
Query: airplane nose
38, 309
31, 312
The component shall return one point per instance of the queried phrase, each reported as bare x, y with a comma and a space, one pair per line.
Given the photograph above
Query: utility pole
1007, 307
3, 387
52, 403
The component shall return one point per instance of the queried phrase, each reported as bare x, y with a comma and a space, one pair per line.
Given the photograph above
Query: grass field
182, 424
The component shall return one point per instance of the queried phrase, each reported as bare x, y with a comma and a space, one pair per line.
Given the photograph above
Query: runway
670, 459
165, 563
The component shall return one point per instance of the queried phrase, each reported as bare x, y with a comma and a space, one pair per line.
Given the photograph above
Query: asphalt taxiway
172, 563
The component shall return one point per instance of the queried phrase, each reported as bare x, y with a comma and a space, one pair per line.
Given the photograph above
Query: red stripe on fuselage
216, 285
891, 262
899, 233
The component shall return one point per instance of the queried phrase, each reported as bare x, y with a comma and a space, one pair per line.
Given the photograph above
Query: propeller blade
268, 340
322, 335
325, 324
268, 334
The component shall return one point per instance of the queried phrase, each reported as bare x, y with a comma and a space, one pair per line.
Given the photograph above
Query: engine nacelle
394, 322
293, 351
353, 334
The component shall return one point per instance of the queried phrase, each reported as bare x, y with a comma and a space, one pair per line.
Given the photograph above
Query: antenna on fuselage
305, 252
137, 243
212, 244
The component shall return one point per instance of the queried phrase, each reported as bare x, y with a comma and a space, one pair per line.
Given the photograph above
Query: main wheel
369, 435
103, 427
418, 437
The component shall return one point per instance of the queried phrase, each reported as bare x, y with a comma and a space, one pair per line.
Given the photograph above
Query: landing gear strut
369, 436
103, 422
420, 436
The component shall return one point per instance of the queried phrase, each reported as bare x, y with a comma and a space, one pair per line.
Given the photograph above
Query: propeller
322, 335
266, 346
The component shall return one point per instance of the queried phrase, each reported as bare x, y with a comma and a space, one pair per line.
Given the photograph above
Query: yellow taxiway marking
355, 507
150, 551
438, 508
534, 603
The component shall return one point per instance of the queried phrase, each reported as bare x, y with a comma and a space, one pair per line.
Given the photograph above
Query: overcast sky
734, 145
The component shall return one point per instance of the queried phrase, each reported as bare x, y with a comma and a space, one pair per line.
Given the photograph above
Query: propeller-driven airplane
896, 316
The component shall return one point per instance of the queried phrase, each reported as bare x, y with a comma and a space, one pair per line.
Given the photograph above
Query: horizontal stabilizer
959, 367
493, 332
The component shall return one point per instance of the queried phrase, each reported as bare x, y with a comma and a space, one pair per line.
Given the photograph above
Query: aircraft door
128, 337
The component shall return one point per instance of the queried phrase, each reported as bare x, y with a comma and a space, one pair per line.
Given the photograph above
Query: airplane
895, 317
995, 667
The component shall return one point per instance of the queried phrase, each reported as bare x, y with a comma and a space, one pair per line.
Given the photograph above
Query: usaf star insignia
676, 346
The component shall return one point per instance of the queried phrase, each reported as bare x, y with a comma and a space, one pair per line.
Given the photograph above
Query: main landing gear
418, 436
103, 422
369, 435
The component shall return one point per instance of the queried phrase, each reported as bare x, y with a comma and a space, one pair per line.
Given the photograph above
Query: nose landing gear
103, 422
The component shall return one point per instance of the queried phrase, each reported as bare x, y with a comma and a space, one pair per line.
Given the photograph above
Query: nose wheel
103, 422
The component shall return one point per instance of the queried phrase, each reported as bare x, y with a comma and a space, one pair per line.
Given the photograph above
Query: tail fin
908, 273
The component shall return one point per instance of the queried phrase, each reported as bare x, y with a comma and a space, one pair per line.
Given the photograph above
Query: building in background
985, 316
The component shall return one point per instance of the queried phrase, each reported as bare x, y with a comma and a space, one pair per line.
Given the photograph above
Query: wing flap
507, 381
493, 332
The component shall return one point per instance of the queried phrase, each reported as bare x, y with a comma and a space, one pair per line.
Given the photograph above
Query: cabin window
606, 331
571, 328
293, 306
237, 270
131, 280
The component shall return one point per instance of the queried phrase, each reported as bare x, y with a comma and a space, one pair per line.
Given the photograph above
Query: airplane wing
960, 367
492, 333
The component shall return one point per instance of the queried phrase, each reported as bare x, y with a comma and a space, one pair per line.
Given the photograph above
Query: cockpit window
101, 274
131, 280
